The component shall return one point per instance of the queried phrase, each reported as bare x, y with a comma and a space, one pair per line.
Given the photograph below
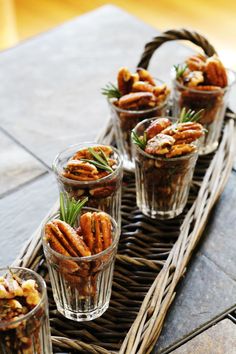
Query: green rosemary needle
180, 69
190, 115
70, 208
111, 91
141, 141
100, 160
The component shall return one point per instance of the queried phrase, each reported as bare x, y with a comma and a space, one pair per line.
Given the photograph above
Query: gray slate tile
205, 293
219, 243
17, 165
219, 339
21, 214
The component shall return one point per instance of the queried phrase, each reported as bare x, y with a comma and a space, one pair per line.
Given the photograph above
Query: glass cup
162, 184
214, 103
30, 333
125, 120
103, 194
82, 285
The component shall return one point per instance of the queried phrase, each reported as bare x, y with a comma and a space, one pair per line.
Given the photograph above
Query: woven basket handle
172, 35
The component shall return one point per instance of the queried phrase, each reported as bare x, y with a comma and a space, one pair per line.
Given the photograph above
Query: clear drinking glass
213, 101
125, 120
82, 285
30, 333
103, 194
162, 184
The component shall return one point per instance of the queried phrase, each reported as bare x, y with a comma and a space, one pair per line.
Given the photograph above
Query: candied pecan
144, 75
102, 192
85, 154
64, 239
196, 62
137, 100
157, 126
184, 132
179, 150
80, 171
193, 78
215, 72
161, 92
96, 230
125, 80
159, 144
142, 86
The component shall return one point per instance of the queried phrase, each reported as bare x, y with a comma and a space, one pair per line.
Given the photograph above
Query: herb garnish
141, 141
111, 91
100, 160
180, 69
190, 116
70, 208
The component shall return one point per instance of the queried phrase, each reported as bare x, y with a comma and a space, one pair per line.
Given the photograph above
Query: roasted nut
193, 79
144, 75
179, 150
215, 72
184, 132
85, 154
102, 192
159, 144
157, 126
142, 86
196, 62
137, 100
125, 81
64, 239
161, 92
80, 171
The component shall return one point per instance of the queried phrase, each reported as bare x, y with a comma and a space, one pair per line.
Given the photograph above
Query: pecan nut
138, 100
144, 75
196, 62
159, 144
157, 126
184, 132
126, 80
179, 150
80, 171
215, 72
102, 192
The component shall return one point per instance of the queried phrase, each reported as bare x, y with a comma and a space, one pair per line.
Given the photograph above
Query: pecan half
80, 171
137, 100
193, 79
196, 62
102, 192
125, 80
179, 150
184, 132
159, 144
144, 75
215, 72
85, 154
157, 126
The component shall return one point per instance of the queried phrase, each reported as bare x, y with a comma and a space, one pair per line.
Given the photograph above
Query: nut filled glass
82, 285
30, 332
103, 193
162, 184
213, 101
125, 120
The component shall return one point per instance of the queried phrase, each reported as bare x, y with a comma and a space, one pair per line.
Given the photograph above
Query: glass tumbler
125, 120
82, 285
30, 333
103, 194
212, 100
162, 184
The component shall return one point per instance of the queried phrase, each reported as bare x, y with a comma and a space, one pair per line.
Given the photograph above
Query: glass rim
220, 90
184, 157
42, 283
84, 258
56, 163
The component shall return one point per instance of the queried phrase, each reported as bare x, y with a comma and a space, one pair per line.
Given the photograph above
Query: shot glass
103, 193
212, 100
28, 333
125, 120
82, 285
162, 184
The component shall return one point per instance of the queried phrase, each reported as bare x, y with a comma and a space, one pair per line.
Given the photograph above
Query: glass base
83, 316
161, 215
204, 150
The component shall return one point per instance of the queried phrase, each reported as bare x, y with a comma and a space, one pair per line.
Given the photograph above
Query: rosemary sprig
141, 141
111, 91
180, 69
70, 208
189, 115
100, 160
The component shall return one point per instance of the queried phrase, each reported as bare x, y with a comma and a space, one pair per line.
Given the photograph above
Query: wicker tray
152, 255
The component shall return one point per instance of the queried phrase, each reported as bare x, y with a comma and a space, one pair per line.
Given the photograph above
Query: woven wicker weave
152, 255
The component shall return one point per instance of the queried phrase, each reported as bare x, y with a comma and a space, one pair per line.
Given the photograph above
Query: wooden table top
50, 98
